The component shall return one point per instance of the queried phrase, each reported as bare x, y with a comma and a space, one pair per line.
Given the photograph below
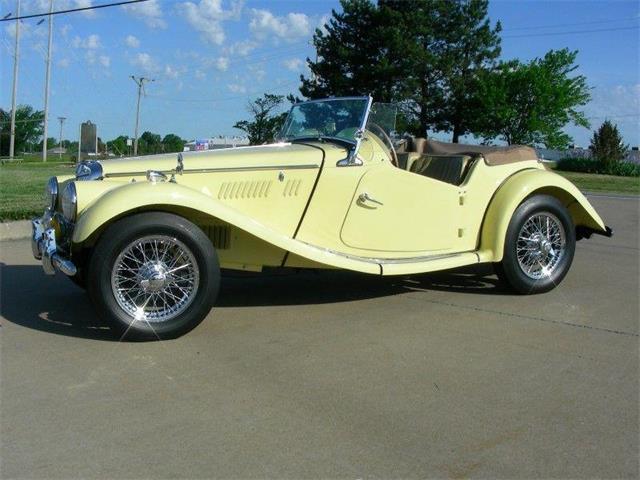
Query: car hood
274, 155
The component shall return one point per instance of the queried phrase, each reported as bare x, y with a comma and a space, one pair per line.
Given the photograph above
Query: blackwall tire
539, 246
153, 276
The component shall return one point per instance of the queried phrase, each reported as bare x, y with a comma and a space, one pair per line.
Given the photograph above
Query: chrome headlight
51, 193
70, 202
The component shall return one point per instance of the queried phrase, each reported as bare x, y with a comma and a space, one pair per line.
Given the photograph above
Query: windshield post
352, 159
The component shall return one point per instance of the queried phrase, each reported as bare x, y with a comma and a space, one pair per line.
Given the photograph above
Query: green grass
593, 182
22, 188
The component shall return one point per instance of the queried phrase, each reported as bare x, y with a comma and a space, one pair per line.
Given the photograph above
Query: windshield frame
355, 144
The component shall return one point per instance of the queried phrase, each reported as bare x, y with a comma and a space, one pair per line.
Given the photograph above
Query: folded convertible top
493, 155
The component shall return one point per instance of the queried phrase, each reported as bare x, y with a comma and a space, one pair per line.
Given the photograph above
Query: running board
428, 264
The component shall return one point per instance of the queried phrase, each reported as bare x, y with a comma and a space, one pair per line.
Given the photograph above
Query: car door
393, 210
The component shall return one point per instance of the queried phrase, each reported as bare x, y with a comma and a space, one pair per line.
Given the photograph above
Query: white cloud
64, 62
64, 30
236, 88
25, 30
145, 62
171, 72
324, 21
149, 12
132, 41
82, 4
292, 26
207, 17
242, 49
200, 75
221, 63
293, 64
104, 60
39, 6
92, 42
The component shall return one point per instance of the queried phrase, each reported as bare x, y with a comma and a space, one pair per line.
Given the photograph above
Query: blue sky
210, 57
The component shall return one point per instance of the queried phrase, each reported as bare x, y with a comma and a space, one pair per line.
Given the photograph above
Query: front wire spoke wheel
155, 278
541, 245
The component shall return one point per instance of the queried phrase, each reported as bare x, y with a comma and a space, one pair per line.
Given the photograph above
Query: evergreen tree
607, 146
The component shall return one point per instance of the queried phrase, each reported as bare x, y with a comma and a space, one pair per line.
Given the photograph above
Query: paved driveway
335, 375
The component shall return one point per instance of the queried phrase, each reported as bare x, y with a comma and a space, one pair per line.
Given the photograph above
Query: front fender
515, 190
128, 198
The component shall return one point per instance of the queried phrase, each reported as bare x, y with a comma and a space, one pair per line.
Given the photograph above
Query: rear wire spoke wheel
539, 246
153, 276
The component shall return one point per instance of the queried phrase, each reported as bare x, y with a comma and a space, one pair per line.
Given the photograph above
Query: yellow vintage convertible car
147, 237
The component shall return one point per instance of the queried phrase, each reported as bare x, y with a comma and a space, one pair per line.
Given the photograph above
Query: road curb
15, 230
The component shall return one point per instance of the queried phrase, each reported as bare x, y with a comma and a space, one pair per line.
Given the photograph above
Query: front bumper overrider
45, 247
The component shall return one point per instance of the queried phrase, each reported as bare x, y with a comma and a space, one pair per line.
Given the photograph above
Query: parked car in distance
147, 237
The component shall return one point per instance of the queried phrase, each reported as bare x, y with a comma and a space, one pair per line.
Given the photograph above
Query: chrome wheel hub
541, 245
155, 278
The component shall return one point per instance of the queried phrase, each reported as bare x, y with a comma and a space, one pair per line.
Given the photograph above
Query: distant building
215, 143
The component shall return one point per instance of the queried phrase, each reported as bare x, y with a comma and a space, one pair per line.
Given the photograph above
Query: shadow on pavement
55, 305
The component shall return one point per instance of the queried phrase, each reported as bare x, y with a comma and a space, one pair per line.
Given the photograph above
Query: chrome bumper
44, 247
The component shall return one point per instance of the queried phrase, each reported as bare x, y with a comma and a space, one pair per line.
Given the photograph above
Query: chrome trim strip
388, 261
220, 169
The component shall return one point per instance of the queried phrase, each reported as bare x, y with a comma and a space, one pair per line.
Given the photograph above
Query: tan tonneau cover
493, 155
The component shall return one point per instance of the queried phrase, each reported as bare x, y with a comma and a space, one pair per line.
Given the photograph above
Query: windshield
337, 118
383, 115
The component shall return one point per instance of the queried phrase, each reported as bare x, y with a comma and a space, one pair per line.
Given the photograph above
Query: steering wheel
387, 139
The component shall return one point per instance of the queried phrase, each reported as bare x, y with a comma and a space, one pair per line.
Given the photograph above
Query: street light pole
140, 83
12, 140
46, 85
62, 119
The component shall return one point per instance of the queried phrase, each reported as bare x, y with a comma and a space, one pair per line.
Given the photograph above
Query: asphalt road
335, 375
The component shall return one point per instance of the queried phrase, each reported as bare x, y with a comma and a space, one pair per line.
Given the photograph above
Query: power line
549, 34
561, 25
70, 10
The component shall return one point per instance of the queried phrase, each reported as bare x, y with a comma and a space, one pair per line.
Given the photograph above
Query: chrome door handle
365, 197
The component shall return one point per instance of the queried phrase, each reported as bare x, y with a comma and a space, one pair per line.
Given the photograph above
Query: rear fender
518, 188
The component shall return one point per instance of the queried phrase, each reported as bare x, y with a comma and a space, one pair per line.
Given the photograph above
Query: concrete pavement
334, 375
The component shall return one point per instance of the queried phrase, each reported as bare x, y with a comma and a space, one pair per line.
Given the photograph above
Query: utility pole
140, 82
46, 85
62, 119
12, 140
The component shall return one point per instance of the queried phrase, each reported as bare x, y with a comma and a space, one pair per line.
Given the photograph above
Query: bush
586, 165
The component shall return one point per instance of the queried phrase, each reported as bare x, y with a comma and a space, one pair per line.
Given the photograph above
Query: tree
173, 143
265, 124
118, 145
51, 143
471, 47
149, 143
607, 146
29, 127
530, 103
357, 54
424, 54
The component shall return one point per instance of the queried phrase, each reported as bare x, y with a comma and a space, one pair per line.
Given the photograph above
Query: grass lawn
22, 188
593, 182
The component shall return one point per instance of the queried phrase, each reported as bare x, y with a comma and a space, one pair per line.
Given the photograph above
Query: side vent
220, 235
246, 189
291, 188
